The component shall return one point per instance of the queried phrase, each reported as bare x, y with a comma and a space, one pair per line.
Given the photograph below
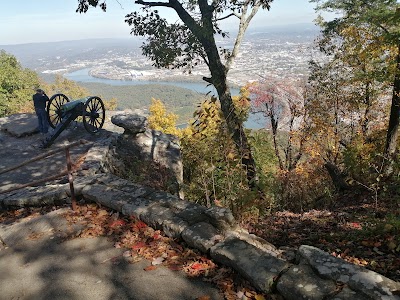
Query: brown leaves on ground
360, 234
143, 242
10, 216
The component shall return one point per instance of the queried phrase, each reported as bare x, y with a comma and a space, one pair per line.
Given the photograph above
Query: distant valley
280, 51
276, 51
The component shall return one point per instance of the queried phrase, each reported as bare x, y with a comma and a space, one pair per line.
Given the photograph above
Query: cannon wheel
54, 109
93, 114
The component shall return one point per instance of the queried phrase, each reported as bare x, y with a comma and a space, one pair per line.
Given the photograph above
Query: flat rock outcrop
20, 125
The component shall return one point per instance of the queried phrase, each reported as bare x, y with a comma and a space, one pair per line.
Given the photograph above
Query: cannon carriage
61, 112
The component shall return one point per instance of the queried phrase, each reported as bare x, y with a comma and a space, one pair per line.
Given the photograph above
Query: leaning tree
192, 40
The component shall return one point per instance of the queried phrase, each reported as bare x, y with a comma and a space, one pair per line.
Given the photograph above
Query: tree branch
208, 79
152, 4
244, 23
205, 59
228, 16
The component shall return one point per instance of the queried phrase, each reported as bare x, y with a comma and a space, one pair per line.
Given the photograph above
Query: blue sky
28, 21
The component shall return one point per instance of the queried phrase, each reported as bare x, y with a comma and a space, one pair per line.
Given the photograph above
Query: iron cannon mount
61, 112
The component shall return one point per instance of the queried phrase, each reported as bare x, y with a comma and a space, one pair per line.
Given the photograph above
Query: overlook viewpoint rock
304, 273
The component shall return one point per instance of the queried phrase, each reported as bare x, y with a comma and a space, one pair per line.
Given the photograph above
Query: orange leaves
159, 119
197, 266
138, 245
175, 267
117, 223
150, 268
354, 225
156, 235
204, 298
139, 225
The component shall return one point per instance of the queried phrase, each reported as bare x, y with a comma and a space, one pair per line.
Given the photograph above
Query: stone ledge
368, 283
260, 268
201, 236
300, 282
35, 196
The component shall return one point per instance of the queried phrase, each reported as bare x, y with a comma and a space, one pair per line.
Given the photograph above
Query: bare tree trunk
365, 120
393, 128
235, 127
219, 81
336, 176
274, 126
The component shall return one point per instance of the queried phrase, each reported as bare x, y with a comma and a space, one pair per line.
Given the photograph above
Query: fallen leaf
240, 295
391, 245
127, 253
175, 267
249, 294
102, 212
138, 245
140, 225
345, 252
355, 225
203, 298
157, 261
117, 223
150, 268
388, 227
367, 243
197, 266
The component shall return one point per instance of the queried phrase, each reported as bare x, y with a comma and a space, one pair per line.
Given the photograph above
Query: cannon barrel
73, 104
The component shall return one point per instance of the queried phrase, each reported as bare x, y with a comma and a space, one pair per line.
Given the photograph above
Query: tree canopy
368, 31
192, 40
16, 85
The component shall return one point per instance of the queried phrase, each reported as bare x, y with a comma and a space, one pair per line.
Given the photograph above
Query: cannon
61, 112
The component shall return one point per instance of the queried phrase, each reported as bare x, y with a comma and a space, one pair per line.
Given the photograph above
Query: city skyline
27, 22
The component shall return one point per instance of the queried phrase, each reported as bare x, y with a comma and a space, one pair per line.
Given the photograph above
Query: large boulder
20, 125
133, 123
140, 144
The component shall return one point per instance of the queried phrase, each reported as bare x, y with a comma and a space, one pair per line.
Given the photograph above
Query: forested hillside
178, 100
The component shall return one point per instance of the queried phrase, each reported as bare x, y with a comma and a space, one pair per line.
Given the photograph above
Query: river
255, 121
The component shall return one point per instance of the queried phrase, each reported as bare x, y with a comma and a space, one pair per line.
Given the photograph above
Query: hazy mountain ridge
72, 55
40, 56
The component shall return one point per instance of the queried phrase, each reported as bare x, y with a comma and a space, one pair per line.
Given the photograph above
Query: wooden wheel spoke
94, 114
97, 123
97, 106
53, 109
